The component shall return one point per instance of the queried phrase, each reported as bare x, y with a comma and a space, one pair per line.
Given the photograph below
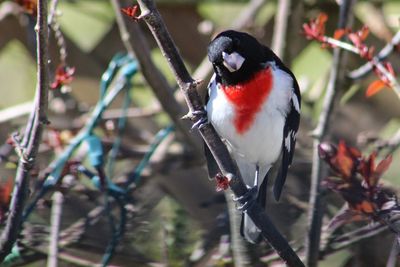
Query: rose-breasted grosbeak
254, 105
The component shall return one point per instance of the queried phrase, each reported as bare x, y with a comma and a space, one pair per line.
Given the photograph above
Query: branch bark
316, 204
56, 211
227, 166
384, 53
32, 137
280, 28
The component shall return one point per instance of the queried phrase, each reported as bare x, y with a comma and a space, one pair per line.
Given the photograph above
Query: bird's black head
236, 56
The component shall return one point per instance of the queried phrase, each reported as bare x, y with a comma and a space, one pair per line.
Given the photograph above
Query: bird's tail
249, 230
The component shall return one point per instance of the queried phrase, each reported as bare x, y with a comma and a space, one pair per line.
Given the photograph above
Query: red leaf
222, 182
389, 67
354, 152
5, 192
315, 29
367, 168
64, 76
320, 23
355, 39
366, 207
375, 87
131, 11
339, 33
363, 33
29, 6
382, 167
344, 162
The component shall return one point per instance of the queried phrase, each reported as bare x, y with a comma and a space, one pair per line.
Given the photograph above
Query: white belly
261, 144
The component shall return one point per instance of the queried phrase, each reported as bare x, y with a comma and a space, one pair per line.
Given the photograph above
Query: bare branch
16, 111
391, 144
56, 211
280, 28
316, 205
384, 53
32, 137
394, 252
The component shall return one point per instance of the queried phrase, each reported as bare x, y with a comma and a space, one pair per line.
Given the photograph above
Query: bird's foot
201, 118
222, 182
247, 200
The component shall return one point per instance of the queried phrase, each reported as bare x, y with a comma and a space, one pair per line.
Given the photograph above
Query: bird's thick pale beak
233, 61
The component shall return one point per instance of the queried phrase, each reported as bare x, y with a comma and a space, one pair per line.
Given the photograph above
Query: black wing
290, 128
289, 137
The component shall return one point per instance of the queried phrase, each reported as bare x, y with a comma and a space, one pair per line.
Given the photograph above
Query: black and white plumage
254, 105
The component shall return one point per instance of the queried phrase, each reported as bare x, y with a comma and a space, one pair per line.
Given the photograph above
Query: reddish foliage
342, 159
70, 167
131, 11
5, 196
358, 38
315, 29
339, 33
383, 81
64, 76
222, 182
375, 87
29, 6
357, 181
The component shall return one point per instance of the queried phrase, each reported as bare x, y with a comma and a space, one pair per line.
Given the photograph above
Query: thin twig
394, 253
240, 248
316, 205
56, 211
32, 138
384, 53
374, 61
349, 238
16, 111
280, 28
52, 11
391, 144
227, 166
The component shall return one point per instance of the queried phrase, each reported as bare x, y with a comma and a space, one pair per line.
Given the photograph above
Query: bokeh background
177, 218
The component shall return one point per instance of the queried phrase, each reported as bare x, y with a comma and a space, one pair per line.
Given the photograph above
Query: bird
253, 102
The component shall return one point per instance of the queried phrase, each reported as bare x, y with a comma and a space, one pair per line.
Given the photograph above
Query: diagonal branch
280, 28
384, 53
227, 166
32, 137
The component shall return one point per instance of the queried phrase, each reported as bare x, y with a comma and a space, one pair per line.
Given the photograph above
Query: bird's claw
202, 118
247, 200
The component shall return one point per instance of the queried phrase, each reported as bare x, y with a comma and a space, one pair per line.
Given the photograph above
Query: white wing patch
288, 142
295, 102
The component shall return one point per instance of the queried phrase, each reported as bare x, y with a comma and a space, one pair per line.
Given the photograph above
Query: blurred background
176, 217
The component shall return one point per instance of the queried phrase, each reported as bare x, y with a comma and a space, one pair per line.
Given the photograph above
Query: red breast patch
248, 98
